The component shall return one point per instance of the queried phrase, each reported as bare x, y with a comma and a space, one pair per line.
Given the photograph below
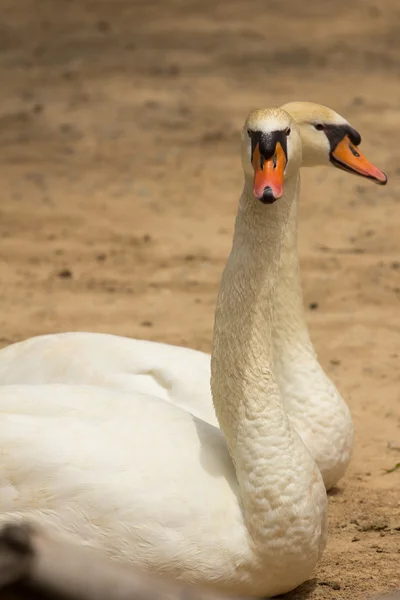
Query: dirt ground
119, 174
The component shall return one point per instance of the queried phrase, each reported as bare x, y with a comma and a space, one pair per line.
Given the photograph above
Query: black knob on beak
268, 196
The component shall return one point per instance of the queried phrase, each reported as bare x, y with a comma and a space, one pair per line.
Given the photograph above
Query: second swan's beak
347, 156
269, 174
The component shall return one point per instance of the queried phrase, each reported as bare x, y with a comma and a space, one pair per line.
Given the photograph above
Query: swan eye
249, 132
287, 131
319, 127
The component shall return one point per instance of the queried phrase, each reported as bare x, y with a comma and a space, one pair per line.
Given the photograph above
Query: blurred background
120, 175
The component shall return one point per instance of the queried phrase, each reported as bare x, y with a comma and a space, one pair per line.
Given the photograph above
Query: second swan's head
271, 152
328, 138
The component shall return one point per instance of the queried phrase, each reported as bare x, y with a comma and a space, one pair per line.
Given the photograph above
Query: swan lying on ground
241, 508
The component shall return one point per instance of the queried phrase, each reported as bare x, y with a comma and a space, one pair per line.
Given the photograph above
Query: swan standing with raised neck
149, 482
181, 375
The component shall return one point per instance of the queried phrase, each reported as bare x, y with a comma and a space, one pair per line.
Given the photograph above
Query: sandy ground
119, 176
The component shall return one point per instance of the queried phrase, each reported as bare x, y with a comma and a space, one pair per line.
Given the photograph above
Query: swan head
328, 138
271, 152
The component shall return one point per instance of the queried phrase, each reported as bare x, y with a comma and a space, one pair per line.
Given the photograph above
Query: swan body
71, 464
182, 375
241, 507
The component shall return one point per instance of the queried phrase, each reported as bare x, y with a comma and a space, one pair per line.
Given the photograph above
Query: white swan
149, 482
181, 375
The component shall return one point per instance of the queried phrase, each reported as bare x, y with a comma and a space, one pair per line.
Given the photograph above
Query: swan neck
246, 397
242, 356
291, 333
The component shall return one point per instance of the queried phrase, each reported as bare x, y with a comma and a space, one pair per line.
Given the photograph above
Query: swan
182, 375
241, 508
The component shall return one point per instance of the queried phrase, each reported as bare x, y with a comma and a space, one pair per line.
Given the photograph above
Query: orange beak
348, 157
269, 175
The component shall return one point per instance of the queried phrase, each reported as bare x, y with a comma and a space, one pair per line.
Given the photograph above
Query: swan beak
269, 174
348, 157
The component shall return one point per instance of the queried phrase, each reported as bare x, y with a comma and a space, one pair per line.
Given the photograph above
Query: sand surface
119, 176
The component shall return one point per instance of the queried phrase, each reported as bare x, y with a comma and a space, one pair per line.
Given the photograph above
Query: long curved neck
290, 330
269, 458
